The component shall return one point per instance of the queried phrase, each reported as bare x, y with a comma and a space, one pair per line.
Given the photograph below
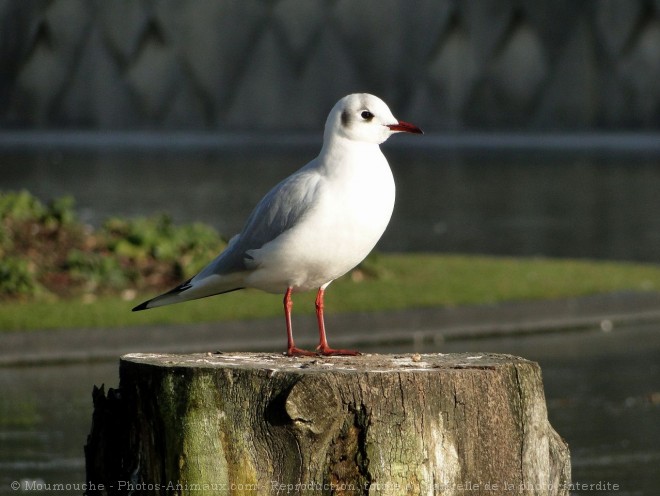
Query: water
45, 416
601, 388
535, 202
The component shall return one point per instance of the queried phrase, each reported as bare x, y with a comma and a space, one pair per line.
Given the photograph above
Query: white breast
352, 208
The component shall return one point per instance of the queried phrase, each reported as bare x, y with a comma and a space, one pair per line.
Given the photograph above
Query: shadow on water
602, 388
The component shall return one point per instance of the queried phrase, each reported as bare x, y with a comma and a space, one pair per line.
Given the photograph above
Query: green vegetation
46, 253
58, 273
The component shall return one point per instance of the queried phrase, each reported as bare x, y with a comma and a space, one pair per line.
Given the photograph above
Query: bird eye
366, 115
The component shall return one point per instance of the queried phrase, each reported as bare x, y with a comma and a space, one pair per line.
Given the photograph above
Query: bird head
365, 118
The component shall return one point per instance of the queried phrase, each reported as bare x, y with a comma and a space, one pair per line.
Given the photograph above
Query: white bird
315, 225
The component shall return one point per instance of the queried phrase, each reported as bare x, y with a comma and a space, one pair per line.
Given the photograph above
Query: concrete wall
280, 65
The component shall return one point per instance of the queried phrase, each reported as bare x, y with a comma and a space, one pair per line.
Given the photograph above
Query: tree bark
250, 423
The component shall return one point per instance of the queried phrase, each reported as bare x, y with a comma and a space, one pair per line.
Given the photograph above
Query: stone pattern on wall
233, 65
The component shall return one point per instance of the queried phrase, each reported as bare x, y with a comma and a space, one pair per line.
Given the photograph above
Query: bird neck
340, 155
340, 146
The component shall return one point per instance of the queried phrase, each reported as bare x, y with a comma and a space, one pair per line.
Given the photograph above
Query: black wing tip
141, 306
181, 287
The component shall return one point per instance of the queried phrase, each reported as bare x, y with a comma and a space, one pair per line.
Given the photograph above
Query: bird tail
192, 290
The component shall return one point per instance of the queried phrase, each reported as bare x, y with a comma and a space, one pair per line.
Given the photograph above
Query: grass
404, 281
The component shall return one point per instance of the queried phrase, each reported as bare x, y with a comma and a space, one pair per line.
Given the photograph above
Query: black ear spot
344, 118
366, 115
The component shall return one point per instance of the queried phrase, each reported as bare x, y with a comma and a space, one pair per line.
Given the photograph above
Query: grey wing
281, 209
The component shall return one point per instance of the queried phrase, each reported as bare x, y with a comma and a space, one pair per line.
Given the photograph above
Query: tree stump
254, 423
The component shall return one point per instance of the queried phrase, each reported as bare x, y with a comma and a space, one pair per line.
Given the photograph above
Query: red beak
405, 127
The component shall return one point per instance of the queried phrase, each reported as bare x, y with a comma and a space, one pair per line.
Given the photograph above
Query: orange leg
323, 348
291, 347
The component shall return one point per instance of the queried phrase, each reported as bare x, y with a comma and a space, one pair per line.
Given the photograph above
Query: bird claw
327, 351
296, 352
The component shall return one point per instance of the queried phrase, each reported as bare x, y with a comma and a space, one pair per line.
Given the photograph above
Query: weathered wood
249, 423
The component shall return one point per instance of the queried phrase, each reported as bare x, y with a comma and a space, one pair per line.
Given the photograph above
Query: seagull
315, 225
